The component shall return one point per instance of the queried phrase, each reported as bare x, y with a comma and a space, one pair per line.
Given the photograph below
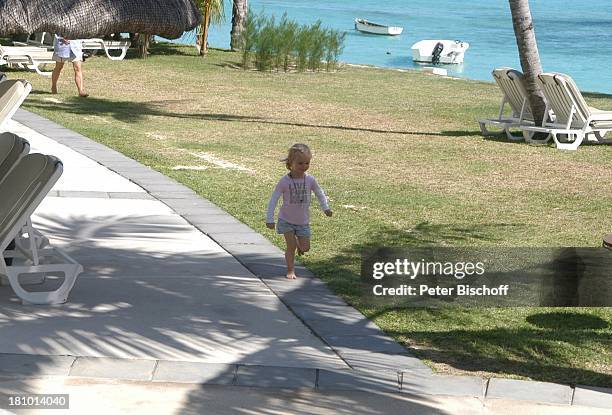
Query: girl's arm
278, 192
321, 196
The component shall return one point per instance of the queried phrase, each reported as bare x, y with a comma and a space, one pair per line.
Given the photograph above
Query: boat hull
377, 29
453, 51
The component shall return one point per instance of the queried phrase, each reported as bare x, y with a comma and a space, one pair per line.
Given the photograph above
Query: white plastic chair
512, 84
29, 57
23, 189
574, 120
107, 45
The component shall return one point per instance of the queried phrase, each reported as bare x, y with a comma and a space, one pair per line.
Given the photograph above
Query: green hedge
271, 45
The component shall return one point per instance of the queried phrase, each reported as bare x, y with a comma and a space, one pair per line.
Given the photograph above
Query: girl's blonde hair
294, 151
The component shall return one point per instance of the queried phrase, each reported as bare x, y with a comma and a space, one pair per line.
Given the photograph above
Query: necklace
297, 192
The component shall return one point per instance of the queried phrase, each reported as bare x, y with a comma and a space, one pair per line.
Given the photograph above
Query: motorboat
439, 51
366, 26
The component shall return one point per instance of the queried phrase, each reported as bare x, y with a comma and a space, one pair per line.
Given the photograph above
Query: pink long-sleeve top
296, 199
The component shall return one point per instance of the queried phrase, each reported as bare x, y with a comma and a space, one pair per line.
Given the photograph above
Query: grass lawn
402, 161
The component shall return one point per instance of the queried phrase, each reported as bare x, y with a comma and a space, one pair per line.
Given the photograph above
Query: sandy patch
53, 100
193, 168
223, 164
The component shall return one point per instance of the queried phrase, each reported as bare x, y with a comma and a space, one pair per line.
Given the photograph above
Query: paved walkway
176, 290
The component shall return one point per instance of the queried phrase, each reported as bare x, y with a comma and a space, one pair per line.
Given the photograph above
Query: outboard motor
435, 54
2, 77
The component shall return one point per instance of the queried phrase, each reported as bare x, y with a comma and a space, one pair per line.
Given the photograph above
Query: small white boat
377, 29
439, 51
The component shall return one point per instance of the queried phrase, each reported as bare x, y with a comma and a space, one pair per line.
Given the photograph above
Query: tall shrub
285, 44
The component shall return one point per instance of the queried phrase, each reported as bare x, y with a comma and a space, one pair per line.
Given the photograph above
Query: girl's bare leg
303, 244
290, 254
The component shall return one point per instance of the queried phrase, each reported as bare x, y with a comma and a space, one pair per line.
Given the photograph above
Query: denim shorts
282, 227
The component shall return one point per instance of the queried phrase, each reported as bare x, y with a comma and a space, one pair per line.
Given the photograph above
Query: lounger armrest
601, 116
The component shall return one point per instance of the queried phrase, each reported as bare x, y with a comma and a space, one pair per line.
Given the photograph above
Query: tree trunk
239, 15
530, 57
143, 45
204, 29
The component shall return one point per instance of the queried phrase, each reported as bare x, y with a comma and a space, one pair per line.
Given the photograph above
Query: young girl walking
294, 214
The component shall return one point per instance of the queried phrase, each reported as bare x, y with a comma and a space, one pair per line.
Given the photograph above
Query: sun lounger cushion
23, 189
12, 148
12, 93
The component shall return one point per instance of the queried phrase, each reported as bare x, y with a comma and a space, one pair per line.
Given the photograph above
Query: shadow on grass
474, 339
127, 111
168, 49
567, 321
339, 270
543, 355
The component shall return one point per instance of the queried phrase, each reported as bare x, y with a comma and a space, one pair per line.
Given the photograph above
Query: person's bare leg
55, 76
303, 244
290, 255
78, 78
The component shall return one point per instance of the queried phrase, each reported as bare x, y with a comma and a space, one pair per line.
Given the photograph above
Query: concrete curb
378, 362
13, 366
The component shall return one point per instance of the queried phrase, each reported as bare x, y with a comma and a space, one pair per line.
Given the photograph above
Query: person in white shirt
66, 50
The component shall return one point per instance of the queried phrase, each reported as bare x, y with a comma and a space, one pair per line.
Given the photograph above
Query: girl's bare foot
291, 276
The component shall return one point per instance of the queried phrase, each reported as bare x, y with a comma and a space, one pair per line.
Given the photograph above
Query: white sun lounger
12, 94
107, 46
23, 189
574, 119
12, 149
40, 39
512, 84
29, 57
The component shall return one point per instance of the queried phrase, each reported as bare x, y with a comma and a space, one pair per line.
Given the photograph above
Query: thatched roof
80, 19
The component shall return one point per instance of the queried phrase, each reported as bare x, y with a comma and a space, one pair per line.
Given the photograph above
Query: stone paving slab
362, 381
243, 238
529, 391
377, 361
418, 383
213, 228
256, 252
200, 220
376, 342
32, 365
168, 195
79, 172
195, 372
324, 311
276, 377
337, 328
593, 397
123, 369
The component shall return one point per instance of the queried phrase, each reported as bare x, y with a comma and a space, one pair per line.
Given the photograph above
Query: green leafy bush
286, 45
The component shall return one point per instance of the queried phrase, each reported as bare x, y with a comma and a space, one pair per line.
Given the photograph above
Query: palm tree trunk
204, 29
239, 14
528, 52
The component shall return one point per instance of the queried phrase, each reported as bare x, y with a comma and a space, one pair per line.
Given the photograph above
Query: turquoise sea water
574, 37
